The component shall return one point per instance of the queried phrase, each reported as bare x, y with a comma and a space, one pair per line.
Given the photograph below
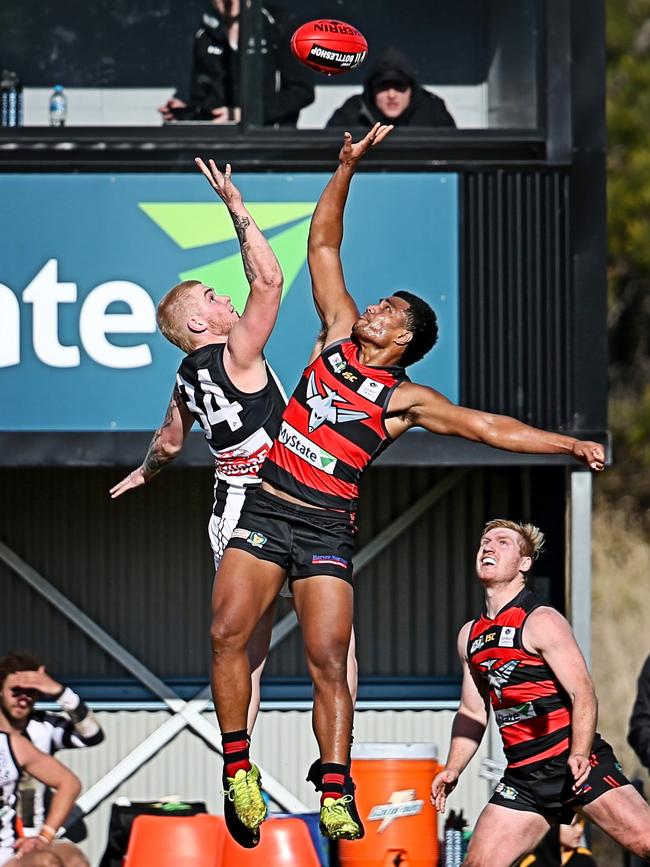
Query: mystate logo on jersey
306, 450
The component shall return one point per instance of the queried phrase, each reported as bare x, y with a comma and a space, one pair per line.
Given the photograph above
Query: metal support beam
580, 575
388, 535
187, 713
190, 713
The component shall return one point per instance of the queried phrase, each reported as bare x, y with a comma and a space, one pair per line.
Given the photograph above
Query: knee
329, 668
224, 636
77, 859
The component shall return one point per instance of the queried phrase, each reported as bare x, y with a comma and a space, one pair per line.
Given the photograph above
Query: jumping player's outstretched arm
249, 335
550, 635
334, 304
467, 730
413, 405
165, 445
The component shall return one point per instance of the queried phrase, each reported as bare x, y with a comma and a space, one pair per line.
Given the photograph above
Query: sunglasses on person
17, 691
399, 86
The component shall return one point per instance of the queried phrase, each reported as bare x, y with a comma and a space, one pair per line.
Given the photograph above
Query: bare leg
353, 669
324, 606
258, 650
502, 836
70, 855
353, 666
624, 815
43, 858
244, 588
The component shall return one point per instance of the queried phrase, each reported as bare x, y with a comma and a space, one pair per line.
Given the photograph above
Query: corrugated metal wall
517, 315
187, 768
141, 568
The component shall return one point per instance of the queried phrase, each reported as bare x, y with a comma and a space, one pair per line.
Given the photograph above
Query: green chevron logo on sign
192, 225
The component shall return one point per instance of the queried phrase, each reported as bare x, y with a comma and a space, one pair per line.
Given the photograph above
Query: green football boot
245, 793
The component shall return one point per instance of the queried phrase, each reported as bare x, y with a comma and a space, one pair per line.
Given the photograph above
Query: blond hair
531, 538
173, 312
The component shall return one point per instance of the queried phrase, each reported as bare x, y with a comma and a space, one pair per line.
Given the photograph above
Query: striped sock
333, 781
235, 752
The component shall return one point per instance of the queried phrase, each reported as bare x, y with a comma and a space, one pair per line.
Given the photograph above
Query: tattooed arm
165, 445
248, 336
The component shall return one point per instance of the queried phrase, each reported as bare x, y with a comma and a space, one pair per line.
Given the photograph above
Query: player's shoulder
208, 357
463, 637
543, 613
42, 719
546, 625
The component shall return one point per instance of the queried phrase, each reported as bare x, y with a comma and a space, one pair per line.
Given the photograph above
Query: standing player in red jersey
353, 399
521, 656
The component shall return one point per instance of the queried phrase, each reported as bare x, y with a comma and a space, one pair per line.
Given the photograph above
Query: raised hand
221, 182
39, 680
592, 454
351, 151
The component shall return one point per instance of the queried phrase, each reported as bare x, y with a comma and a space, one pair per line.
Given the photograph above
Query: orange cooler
393, 790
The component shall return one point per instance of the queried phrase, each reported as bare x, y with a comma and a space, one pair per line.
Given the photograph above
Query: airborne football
329, 46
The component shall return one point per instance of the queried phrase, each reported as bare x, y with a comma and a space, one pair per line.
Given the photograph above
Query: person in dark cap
392, 95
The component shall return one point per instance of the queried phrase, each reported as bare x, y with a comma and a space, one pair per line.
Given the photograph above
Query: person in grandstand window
215, 90
353, 399
392, 94
521, 657
22, 681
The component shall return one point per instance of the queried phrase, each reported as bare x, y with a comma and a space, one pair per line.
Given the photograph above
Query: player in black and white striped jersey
225, 384
29, 753
22, 681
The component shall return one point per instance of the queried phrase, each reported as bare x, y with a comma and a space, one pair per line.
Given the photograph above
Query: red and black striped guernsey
332, 428
531, 709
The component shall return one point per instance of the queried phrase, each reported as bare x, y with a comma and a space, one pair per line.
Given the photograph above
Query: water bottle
58, 106
454, 839
9, 98
19, 100
5, 89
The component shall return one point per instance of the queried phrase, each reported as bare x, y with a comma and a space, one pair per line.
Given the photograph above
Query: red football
329, 46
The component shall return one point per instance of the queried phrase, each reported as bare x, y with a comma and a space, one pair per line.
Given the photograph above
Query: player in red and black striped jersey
353, 399
521, 657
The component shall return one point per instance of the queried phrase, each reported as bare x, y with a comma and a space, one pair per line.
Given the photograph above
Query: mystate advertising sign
85, 259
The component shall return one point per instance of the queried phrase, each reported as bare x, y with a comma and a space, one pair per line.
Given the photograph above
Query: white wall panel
283, 743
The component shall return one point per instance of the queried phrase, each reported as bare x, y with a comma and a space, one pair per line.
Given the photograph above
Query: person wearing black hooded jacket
392, 95
639, 731
286, 86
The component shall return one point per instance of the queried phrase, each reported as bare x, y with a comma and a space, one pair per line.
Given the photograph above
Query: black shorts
547, 788
302, 540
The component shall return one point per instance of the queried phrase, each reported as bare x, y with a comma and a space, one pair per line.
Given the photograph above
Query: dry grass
621, 621
621, 631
